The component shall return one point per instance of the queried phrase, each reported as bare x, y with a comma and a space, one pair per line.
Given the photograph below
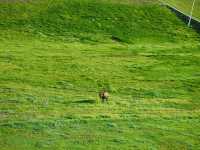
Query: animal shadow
85, 101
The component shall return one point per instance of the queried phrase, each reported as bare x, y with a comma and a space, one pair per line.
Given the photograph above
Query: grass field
55, 57
186, 5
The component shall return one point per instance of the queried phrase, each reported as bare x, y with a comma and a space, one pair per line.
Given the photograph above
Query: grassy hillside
92, 20
186, 5
55, 57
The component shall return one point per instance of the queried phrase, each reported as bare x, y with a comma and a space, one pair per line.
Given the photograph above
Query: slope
55, 57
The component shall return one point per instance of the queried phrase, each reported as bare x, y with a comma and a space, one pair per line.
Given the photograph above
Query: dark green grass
49, 80
92, 20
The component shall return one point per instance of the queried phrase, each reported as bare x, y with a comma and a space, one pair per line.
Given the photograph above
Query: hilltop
185, 6
93, 20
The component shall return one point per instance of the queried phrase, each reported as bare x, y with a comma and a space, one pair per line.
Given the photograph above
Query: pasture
55, 57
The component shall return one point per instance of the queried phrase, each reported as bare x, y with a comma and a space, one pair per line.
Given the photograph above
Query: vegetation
186, 5
55, 58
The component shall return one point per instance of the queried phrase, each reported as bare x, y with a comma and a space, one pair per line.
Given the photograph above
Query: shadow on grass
85, 101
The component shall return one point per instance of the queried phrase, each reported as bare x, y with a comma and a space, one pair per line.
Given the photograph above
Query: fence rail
195, 23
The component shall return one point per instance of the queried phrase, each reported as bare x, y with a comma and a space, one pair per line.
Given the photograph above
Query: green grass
53, 62
91, 20
185, 6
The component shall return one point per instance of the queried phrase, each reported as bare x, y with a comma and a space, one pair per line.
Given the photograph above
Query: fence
195, 23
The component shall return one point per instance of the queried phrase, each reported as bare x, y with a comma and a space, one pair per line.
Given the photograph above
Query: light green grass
50, 75
185, 6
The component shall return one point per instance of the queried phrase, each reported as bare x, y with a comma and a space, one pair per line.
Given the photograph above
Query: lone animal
103, 95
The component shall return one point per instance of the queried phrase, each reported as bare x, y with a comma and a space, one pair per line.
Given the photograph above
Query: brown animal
103, 95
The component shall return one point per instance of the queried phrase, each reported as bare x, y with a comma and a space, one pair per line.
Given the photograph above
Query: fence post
190, 18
